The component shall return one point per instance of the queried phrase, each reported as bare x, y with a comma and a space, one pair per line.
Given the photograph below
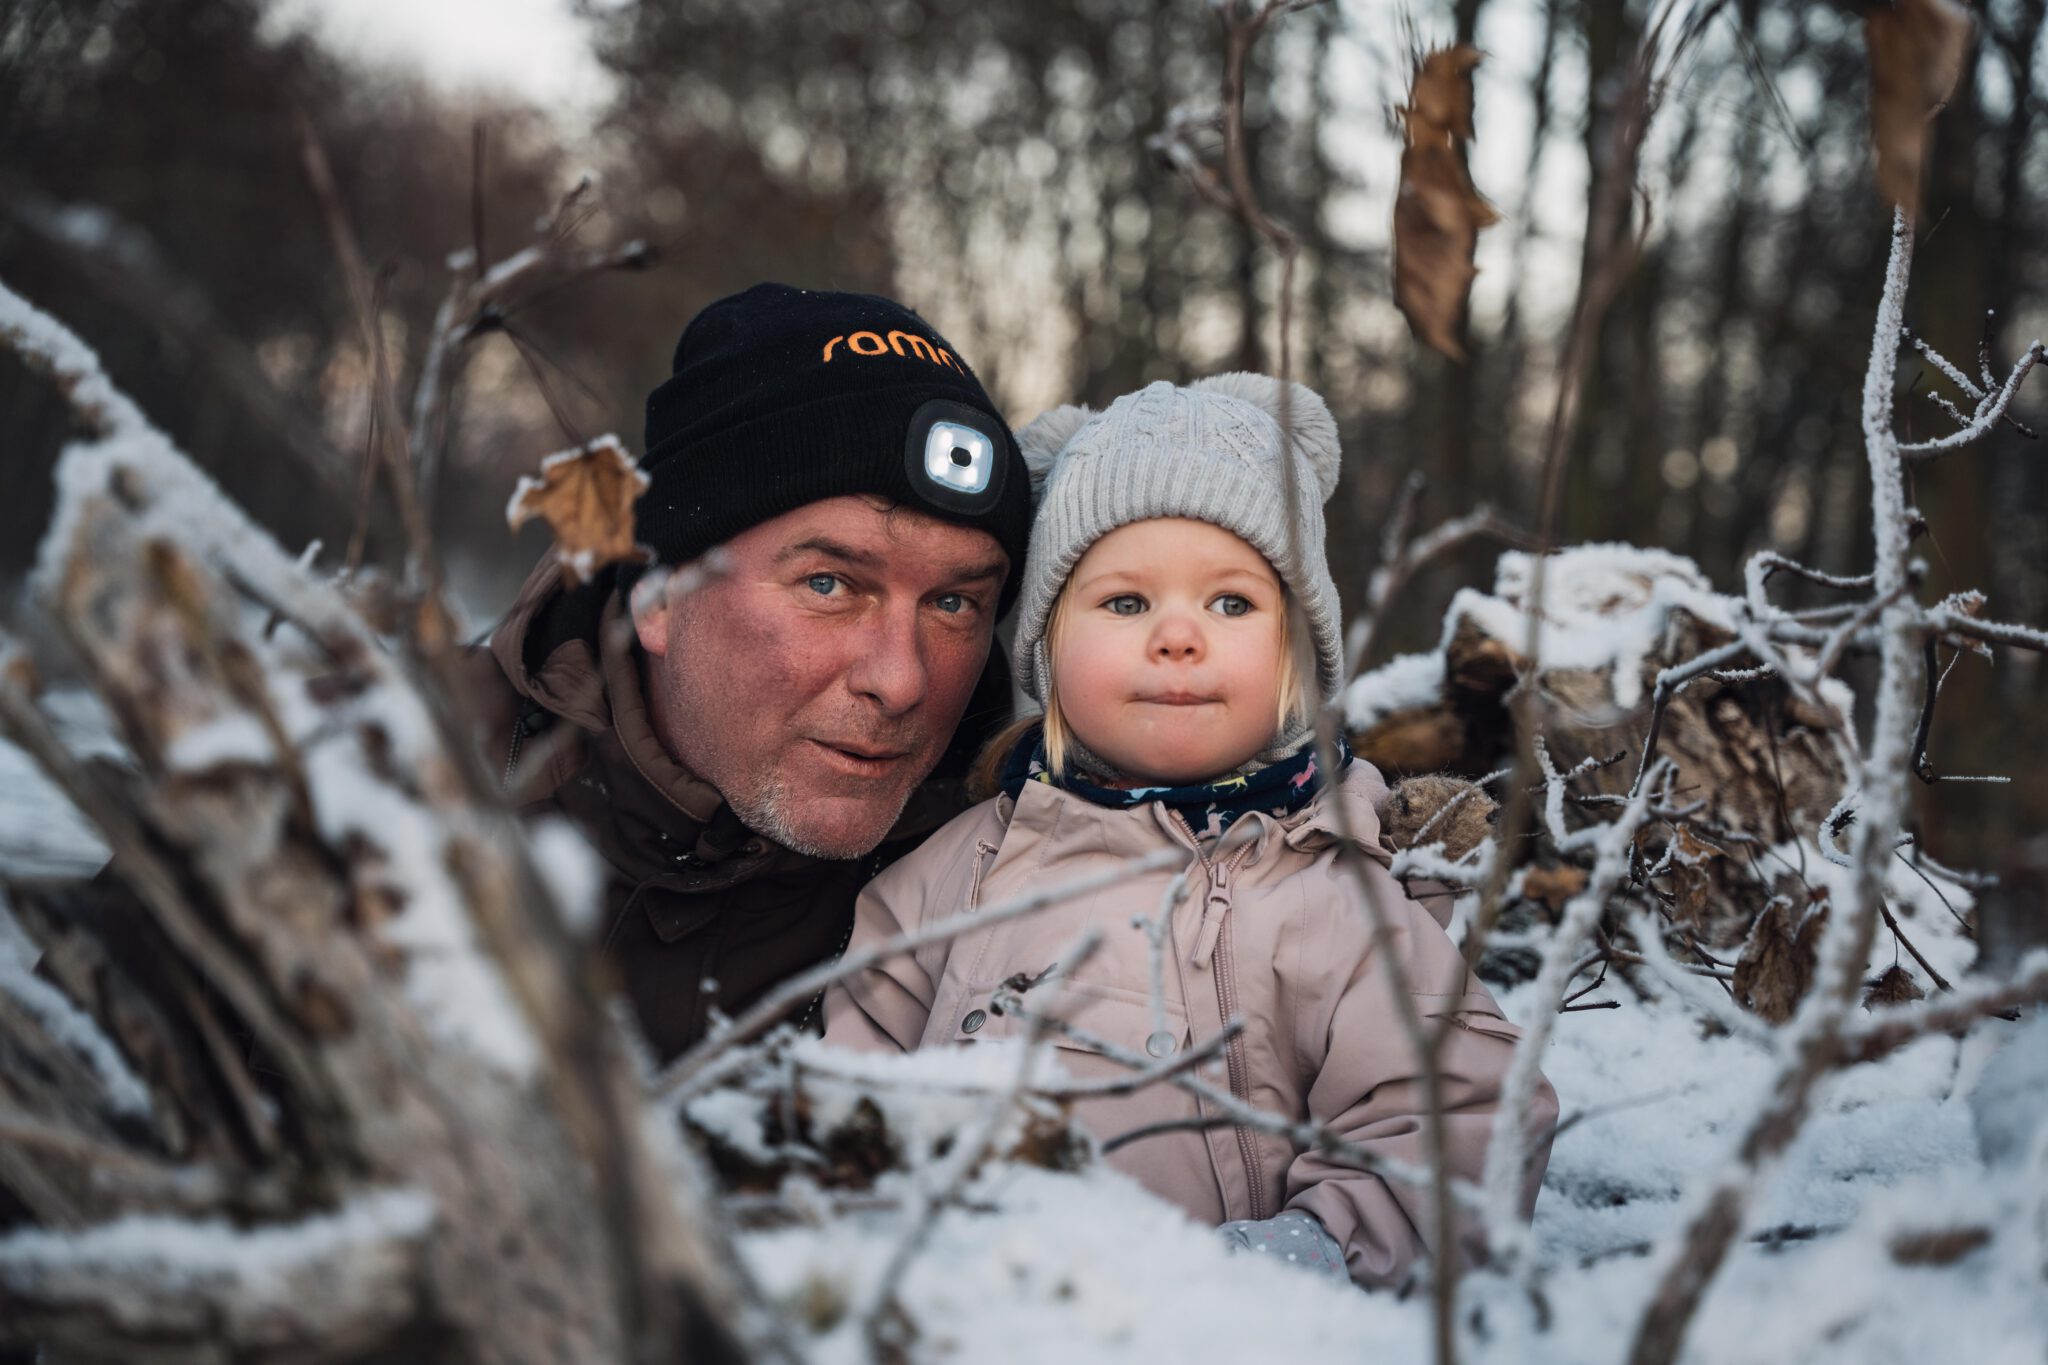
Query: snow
1085, 1267
64, 1022
1397, 685
42, 834
233, 738
173, 1251
456, 986
1077, 1268
572, 869
1605, 607
448, 978
36, 333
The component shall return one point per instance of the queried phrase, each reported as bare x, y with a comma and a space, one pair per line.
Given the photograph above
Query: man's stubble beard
765, 810
764, 804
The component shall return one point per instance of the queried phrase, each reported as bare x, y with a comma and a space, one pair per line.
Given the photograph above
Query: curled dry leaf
1438, 213
1779, 957
1895, 986
586, 497
1554, 885
1916, 56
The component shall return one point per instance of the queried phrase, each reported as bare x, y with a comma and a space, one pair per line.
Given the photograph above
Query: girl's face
1167, 660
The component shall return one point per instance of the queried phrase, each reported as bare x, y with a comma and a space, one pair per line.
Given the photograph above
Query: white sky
535, 50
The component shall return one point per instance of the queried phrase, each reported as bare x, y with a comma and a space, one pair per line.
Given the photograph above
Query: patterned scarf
1277, 789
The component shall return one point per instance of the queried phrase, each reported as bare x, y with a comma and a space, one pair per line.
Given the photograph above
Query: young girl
1180, 652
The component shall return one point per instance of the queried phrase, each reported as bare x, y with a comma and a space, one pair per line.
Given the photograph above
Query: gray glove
1295, 1237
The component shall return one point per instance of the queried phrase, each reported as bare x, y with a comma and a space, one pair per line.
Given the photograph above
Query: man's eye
1230, 604
1125, 604
954, 603
823, 584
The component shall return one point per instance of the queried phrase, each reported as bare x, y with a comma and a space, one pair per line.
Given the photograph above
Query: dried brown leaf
1440, 99
586, 497
1916, 49
1692, 885
1419, 739
1895, 986
1554, 885
1438, 213
1778, 958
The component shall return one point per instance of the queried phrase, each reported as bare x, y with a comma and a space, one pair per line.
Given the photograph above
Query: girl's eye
1230, 604
823, 584
1125, 604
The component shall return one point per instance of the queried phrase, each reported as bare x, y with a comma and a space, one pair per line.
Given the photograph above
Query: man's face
818, 679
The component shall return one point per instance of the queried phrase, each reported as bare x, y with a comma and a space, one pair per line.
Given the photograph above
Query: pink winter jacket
1275, 934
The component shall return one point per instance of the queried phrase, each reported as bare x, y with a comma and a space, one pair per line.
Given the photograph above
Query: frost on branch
847, 1122
325, 960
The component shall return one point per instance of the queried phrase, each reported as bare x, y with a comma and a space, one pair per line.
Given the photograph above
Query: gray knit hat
1209, 451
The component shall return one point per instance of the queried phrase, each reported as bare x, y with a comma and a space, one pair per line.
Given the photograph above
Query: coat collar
1347, 808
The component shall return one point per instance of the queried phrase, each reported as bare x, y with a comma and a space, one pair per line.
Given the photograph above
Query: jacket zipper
512, 753
1212, 950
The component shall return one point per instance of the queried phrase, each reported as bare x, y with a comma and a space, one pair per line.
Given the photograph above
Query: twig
1888, 1029
1892, 924
1400, 562
1506, 1154
1991, 407
688, 1075
1310, 1135
1811, 1039
876, 1326
423, 564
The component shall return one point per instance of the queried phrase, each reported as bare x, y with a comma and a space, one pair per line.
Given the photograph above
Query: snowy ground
1089, 1268
40, 834
1081, 1268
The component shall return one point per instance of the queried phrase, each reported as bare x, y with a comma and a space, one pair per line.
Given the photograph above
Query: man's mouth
863, 760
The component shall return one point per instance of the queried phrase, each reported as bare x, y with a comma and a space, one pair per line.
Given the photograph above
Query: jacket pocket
1108, 1021
1475, 1012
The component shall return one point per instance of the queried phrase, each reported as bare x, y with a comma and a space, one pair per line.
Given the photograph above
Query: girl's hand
1294, 1238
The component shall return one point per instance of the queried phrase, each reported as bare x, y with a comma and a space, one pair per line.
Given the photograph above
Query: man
748, 753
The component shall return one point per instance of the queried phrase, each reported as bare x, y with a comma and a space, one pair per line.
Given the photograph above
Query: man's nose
1177, 637
890, 670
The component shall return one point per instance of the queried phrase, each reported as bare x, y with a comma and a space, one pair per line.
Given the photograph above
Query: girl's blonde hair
1298, 700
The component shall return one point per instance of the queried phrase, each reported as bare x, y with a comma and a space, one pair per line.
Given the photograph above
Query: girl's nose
1177, 637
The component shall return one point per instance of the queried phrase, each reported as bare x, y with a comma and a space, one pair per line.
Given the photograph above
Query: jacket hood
547, 644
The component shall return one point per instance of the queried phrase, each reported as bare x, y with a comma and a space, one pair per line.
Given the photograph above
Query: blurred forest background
986, 162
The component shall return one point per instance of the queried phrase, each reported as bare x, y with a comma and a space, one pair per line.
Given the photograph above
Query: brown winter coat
1275, 934
700, 912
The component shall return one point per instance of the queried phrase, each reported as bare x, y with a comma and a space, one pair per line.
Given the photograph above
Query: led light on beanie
950, 457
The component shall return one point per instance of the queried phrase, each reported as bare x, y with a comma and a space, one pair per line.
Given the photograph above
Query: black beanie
782, 396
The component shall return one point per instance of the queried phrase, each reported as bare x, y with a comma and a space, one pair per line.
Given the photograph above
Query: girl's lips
1178, 699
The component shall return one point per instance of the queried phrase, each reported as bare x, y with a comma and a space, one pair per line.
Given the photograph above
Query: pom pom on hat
1313, 428
1046, 436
